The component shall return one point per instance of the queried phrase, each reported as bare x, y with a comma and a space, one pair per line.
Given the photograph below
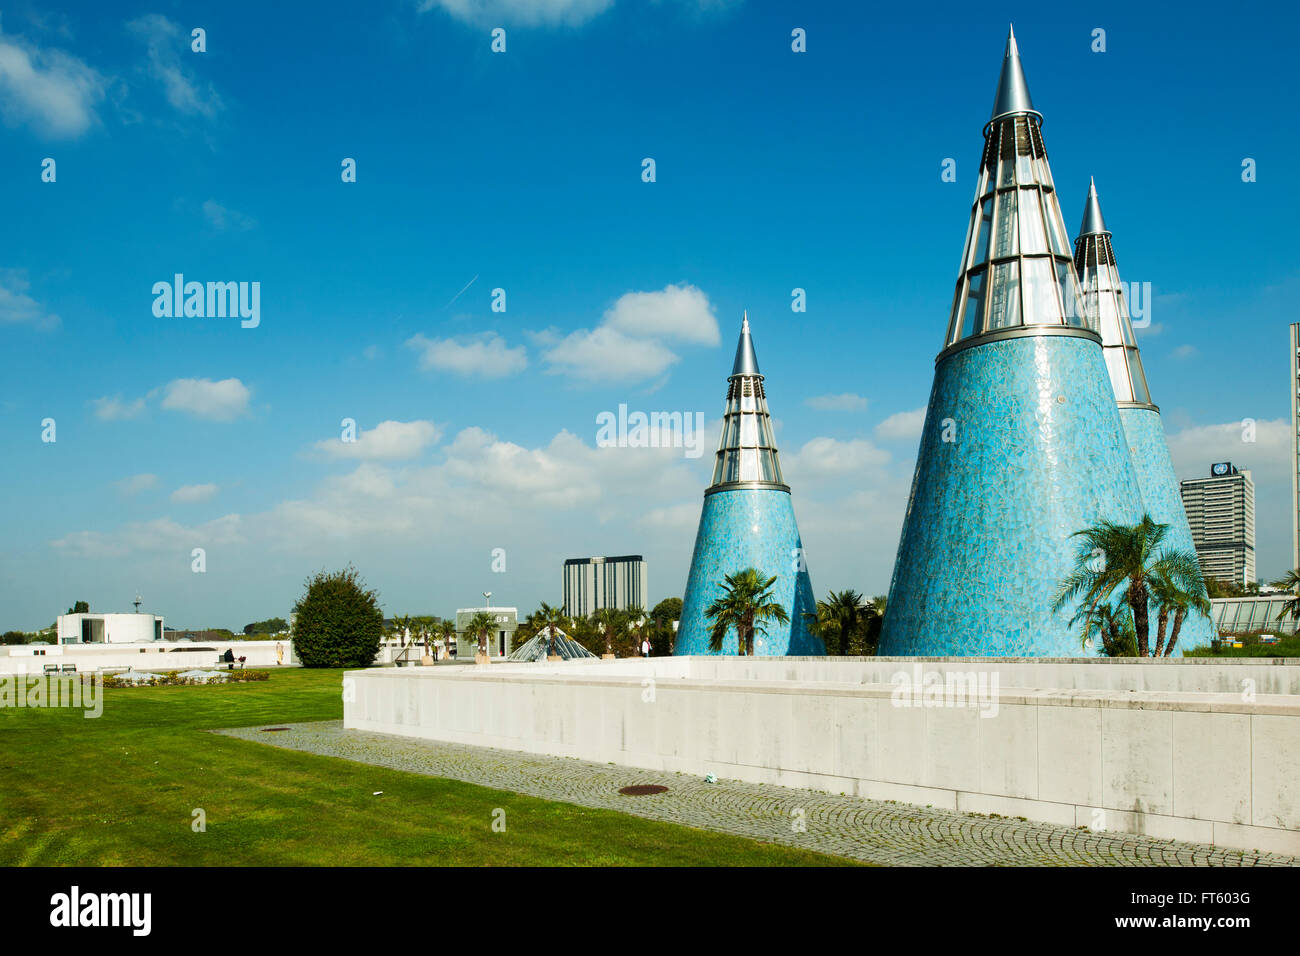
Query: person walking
645, 647
279, 653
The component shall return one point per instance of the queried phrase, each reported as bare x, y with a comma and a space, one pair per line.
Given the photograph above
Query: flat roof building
1221, 513
499, 642
92, 628
593, 583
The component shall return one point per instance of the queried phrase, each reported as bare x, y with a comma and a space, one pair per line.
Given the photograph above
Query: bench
69, 668
51, 668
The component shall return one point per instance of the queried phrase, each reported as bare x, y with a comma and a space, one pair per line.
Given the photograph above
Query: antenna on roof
137, 602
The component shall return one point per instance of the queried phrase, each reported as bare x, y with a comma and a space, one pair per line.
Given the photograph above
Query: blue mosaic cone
1106, 307
1022, 444
748, 521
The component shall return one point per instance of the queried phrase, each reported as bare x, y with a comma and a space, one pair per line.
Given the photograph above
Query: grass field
120, 790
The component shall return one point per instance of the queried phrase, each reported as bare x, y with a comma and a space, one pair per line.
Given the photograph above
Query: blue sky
522, 171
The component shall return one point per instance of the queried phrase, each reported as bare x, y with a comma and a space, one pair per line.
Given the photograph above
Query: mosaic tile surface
1037, 453
1155, 474
738, 529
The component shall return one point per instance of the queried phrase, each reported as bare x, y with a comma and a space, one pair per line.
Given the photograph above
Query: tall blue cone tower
1106, 308
1022, 444
748, 521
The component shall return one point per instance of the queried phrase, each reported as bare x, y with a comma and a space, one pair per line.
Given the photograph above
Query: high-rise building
1022, 444
1221, 513
1106, 309
748, 522
594, 583
1295, 444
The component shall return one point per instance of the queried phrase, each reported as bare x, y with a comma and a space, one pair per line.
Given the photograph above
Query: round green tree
338, 622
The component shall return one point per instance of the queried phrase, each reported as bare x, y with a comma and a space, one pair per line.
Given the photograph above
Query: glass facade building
1244, 615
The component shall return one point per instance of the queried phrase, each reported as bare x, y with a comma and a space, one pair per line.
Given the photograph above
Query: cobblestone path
880, 832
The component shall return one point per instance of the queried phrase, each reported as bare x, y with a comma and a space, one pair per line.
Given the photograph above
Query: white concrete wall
154, 656
1207, 767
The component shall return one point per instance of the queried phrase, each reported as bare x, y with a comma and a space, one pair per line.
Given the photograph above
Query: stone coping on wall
1272, 704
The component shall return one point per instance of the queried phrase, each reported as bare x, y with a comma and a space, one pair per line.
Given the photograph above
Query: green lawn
120, 791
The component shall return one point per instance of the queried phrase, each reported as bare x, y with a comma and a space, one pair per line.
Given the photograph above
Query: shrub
174, 679
338, 622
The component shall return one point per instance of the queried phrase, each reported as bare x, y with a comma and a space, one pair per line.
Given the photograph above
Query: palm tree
1117, 557
610, 620
1107, 622
480, 626
636, 622
401, 629
1171, 598
745, 606
551, 618
841, 615
1290, 582
445, 630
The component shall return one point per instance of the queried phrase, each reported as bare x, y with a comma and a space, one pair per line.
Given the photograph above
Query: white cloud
221, 401
165, 44
50, 90
1268, 455
1184, 352
221, 217
628, 345
114, 409
17, 307
832, 458
527, 13
680, 312
902, 425
190, 493
845, 402
387, 441
480, 356
607, 355
136, 484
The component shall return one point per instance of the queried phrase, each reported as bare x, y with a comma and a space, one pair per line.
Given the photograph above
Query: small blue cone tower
1022, 444
748, 521
1107, 309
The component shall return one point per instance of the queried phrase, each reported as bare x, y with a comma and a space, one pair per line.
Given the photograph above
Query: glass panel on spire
1104, 305
1016, 268
747, 449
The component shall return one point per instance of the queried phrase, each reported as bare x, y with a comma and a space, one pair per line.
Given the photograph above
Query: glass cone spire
1105, 307
747, 455
1016, 274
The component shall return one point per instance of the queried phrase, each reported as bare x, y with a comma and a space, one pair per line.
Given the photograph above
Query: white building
593, 583
135, 628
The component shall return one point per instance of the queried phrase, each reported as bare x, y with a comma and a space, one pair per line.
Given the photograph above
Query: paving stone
882, 832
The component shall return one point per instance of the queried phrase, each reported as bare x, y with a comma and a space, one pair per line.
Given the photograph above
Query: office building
1221, 514
593, 583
